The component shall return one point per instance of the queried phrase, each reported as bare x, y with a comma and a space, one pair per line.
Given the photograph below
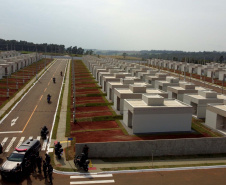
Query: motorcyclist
48, 98
44, 129
54, 80
85, 150
61, 74
44, 132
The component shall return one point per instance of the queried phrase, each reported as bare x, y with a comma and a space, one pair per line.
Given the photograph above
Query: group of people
31, 164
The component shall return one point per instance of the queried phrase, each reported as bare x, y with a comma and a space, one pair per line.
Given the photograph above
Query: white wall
148, 122
211, 119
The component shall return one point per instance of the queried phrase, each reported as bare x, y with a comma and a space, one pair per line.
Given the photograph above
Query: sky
187, 25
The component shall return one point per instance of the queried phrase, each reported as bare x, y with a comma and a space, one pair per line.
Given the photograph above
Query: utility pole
45, 58
223, 84
185, 70
36, 64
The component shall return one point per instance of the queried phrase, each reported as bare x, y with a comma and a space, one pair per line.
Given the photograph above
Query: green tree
221, 59
124, 55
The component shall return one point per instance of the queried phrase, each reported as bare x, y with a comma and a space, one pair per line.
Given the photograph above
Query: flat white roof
128, 91
136, 103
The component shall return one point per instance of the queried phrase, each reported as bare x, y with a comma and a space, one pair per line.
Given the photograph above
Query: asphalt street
33, 111
185, 177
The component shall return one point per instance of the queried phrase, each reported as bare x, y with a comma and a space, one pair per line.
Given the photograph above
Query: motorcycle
61, 74
54, 80
48, 98
81, 162
44, 133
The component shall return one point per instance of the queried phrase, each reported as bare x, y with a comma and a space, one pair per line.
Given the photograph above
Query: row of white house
13, 64
151, 101
8, 54
212, 70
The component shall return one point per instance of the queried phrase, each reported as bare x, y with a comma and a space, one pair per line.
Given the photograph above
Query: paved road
187, 177
33, 111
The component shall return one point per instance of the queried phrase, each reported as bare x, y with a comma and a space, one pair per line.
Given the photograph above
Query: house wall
161, 147
146, 122
211, 119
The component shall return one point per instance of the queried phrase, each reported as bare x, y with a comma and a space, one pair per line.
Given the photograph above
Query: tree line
6, 45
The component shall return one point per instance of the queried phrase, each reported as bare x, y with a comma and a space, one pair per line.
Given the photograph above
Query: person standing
85, 150
27, 166
50, 173
44, 168
47, 159
33, 162
39, 163
17, 173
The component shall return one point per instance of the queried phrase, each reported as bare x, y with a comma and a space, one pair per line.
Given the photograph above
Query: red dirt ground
86, 85
93, 125
92, 114
83, 112
81, 100
118, 135
87, 91
92, 109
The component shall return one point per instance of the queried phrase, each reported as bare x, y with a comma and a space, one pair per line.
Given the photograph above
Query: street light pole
36, 64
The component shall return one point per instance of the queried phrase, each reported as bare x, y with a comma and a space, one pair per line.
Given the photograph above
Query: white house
216, 116
163, 84
114, 78
150, 72
134, 91
153, 114
177, 92
153, 79
199, 101
123, 83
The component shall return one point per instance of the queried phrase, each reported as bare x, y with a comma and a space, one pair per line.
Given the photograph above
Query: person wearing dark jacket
47, 159
50, 174
39, 163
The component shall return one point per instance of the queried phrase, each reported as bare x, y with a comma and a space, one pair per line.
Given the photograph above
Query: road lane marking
38, 138
30, 118
20, 142
45, 143
13, 122
90, 176
45, 89
31, 137
48, 83
11, 132
41, 98
10, 144
93, 182
4, 141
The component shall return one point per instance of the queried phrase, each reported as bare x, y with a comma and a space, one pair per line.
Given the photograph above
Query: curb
143, 170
